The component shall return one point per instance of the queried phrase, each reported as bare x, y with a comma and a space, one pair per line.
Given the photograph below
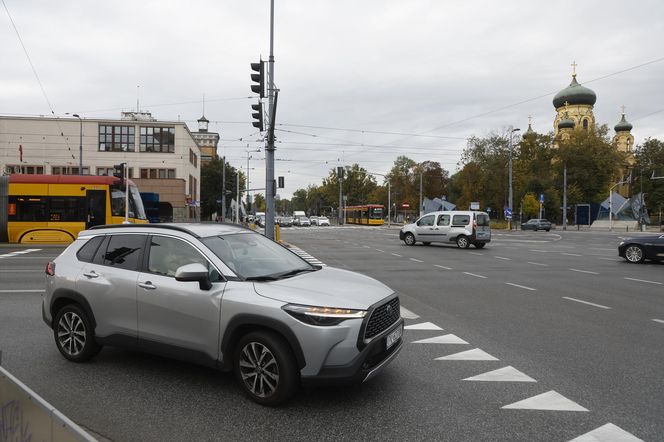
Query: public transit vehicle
54, 208
369, 214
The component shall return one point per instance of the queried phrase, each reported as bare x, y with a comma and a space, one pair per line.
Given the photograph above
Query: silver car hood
327, 287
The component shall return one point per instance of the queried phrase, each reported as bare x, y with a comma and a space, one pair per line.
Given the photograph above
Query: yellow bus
54, 208
368, 214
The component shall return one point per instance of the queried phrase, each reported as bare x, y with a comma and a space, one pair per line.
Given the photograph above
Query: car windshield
254, 257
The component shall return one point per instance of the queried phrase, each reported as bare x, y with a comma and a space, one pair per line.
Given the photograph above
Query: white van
463, 227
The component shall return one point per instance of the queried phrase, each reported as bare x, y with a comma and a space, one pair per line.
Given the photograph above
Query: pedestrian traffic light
258, 116
259, 79
281, 182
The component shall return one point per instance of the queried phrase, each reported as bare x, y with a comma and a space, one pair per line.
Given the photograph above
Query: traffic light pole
269, 151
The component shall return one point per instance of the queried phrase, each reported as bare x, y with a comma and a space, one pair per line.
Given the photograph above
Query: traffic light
258, 116
280, 181
259, 79
119, 172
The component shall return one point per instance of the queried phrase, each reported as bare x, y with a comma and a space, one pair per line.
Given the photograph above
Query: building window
585, 123
29, 170
116, 138
193, 159
158, 139
68, 170
157, 173
108, 171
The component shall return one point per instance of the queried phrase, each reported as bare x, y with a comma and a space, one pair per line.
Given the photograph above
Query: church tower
624, 142
574, 103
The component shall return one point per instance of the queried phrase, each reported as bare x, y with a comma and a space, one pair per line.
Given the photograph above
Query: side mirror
194, 272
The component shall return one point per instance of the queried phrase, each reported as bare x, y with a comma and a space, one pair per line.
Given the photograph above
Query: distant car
323, 221
296, 220
285, 221
304, 221
260, 221
536, 224
313, 220
639, 249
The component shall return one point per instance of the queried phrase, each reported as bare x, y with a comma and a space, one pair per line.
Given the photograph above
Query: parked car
323, 221
313, 220
304, 221
161, 288
459, 226
285, 221
536, 224
640, 248
296, 220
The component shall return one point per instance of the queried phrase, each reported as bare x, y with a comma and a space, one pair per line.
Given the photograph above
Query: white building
162, 156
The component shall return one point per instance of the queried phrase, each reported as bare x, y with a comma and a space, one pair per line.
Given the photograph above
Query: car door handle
147, 285
91, 274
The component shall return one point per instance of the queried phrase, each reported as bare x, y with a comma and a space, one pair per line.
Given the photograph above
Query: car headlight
322, 316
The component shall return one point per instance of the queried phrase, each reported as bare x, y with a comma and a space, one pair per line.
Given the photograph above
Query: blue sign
541, 197
508, 213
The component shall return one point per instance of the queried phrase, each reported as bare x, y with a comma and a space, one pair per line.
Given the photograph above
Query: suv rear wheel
73, 334
265, 368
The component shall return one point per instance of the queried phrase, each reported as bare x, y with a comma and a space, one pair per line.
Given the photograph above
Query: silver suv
222, 296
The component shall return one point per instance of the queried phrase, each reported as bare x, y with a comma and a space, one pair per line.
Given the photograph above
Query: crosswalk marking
423, 326
306, 256
505, 374
475, 354
444, 339
607, 433
407, 314
551, 400
18, 252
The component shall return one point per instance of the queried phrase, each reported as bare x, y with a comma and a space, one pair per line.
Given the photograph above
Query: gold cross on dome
530, 120
574, 65
623, 109
567, 102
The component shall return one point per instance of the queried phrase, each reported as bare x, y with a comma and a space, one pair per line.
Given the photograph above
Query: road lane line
584, 271
538, 264
541, 251
586, 302
416, 260
661, 321
609, 259
644, 280
396, 254
570, 254
475, 253
366, 247
520, 286
502, 257
379, 250
23, 291
475, 275
443, 267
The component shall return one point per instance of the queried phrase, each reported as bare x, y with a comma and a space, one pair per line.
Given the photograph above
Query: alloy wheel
259, 369
71, 333
634, 254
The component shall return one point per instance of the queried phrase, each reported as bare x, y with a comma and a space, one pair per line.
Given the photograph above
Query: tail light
50, 268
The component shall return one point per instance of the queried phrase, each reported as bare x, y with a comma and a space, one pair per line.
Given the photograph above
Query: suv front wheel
265, 368
73, 334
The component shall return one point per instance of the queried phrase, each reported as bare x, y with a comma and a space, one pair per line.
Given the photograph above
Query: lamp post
248, 158
80, 145
509, 198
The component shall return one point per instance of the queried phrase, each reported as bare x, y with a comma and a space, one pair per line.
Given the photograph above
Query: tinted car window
124, 251
169, 254
444, 220
460, 220
482, 220
426, 221
87, 252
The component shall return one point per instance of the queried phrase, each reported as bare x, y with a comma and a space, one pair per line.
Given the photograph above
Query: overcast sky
437, 71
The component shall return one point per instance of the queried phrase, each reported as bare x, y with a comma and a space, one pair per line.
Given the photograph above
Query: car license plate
393, 337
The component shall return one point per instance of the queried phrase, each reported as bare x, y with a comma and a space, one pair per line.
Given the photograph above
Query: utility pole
237, 200
340, 177
420, 212
223, 188
565, 196
509, 198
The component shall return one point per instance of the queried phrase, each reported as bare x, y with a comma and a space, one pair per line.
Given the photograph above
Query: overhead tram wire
363, 131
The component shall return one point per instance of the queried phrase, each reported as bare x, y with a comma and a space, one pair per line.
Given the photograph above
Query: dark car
641, 248
536, 224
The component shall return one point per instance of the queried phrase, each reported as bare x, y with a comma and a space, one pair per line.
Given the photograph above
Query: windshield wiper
262, 278
294, 272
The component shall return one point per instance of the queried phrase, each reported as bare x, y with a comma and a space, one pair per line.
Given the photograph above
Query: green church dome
574, 94
623, 125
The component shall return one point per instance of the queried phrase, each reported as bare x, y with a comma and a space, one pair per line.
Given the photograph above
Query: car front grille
382, 318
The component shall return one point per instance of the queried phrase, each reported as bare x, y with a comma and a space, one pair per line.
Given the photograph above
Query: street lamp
80, 146
509, 199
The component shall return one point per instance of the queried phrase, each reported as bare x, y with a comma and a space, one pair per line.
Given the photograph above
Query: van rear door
483, 227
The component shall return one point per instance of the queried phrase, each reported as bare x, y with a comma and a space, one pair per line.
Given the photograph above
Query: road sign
508, 213
541, 198
474, 205
405, 206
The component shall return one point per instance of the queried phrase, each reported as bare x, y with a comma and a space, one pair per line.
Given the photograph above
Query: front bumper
401, 235
373, 358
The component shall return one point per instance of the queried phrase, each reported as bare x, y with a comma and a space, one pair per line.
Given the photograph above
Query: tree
259, 202
530, 205
650, 158
211, 174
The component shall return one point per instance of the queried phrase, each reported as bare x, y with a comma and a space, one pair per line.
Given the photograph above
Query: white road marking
407, 314
601, 248
469, 355
366, 247
644, 280
444, 339
379, 250
609, 259
551, 400
423, 326
23, 291
502, 257
607, 433
505, 374
570, 254
661, 321
416, 260
584, 271
586, 302
396, 254
443, 267
473, 274
475, 253
538, 264
541, 251
520, 286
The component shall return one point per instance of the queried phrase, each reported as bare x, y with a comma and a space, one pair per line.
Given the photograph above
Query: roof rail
156, 225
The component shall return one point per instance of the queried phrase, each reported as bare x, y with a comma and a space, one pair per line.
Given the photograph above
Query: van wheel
462, 242
265, 368
479, 245
409, 239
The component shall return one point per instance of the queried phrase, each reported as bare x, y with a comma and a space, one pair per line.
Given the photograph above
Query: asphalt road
559, 310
